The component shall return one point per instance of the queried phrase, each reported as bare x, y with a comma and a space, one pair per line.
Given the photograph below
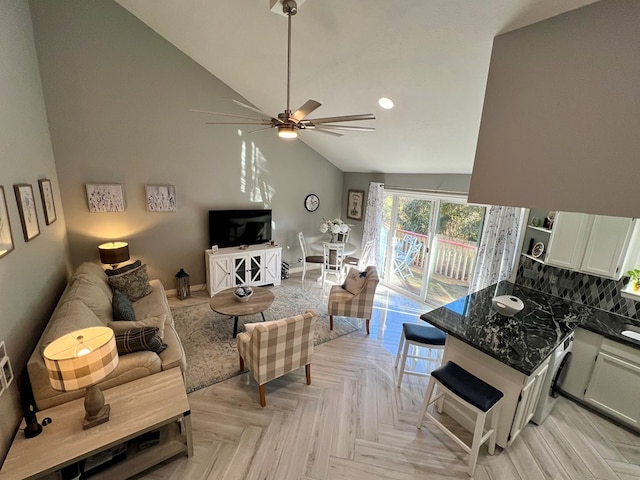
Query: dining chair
333, 260
361, 262
308, 259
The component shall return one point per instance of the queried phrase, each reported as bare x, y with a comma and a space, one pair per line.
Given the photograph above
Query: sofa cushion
137, 339
134, 283
122, 307
93, 273
69, 317
119, 271
156, 321
92, 295
354, 283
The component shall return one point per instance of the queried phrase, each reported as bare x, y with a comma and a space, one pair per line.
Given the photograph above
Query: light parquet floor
353, 423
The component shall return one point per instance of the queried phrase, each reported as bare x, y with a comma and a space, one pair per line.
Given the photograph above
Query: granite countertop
610, 325
522, 341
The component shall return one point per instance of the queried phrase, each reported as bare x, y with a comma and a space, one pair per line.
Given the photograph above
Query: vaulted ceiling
430, 56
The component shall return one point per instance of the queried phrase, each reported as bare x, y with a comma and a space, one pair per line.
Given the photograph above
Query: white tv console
253, 265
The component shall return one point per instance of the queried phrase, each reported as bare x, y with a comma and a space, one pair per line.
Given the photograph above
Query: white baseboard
194, 288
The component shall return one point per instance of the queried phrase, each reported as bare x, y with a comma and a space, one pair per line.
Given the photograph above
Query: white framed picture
160, 198
104, 198
27, 209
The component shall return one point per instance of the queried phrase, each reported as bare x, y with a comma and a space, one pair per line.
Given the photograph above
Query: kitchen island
510, 353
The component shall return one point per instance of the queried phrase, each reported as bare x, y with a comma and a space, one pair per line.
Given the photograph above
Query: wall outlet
553, 279
530, 273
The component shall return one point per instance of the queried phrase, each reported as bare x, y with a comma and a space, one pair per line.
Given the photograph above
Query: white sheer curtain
373, 221
498, 246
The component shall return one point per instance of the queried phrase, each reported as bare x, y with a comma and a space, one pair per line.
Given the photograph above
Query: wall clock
311, 202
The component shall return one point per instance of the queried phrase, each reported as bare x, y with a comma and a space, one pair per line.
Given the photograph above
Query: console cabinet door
247, 269
568, 240
272, 267
221, 274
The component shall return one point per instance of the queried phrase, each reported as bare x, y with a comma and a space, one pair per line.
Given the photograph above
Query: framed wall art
105, 198
49, 207
6, 237
27, 209
355, 204
160, 198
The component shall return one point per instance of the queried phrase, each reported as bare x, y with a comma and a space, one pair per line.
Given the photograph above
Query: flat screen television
232, 228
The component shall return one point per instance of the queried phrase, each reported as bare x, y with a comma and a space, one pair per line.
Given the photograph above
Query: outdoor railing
454, 258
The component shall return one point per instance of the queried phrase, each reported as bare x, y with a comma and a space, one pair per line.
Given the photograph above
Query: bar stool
478, 396
418, 336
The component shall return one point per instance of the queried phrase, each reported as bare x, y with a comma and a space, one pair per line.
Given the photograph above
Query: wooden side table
154, 403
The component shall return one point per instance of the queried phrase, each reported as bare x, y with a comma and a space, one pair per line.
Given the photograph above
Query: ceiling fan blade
260, 129
305, 110
340, 127
321, 130
249, 107
239, 123
345, 118
225, 114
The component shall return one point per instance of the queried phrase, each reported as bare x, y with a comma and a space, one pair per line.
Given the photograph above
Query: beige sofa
87, 302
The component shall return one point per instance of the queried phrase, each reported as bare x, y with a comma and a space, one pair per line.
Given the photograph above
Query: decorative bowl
243, 293
507, 305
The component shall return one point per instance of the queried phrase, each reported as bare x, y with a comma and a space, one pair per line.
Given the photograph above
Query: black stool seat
467, 386
424, 334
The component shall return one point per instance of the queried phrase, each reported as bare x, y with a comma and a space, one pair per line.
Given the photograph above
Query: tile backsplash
578, 287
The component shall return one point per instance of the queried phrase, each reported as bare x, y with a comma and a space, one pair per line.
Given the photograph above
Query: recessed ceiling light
385, 103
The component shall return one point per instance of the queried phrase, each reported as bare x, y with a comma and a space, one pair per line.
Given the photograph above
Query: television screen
232, 228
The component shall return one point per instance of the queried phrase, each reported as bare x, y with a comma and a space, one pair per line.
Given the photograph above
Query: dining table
349, 248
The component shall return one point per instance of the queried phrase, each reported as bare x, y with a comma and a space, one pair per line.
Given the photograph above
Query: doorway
429, 245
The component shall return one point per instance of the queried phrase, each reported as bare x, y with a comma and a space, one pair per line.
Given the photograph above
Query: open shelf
540, 229
627, 292
538, 259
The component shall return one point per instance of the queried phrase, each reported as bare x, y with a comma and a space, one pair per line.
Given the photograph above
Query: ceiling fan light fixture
386, 103
287, 131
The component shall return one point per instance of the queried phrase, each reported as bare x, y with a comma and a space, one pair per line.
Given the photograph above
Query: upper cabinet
594, 244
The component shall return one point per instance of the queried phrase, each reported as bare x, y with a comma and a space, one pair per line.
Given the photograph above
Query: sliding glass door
429, 245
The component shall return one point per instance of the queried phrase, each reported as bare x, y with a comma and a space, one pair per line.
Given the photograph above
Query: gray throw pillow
137, 339
134, 283
118, 271
122, 307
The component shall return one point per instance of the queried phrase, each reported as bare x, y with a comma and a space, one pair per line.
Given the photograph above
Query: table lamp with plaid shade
81, 359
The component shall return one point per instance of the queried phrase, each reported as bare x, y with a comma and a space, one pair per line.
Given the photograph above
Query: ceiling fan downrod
289, 8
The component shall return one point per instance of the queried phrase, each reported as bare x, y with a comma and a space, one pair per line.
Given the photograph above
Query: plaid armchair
271, 349
359, 305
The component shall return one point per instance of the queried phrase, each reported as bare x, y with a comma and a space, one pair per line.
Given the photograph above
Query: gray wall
561, 114
35, 271
118, 99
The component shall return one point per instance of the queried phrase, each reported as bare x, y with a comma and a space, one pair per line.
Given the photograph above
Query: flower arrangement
334, 227
634, 278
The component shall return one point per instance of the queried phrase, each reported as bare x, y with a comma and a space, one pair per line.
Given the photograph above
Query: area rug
211, 351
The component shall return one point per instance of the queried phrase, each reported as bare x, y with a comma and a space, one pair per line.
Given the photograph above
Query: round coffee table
225, 303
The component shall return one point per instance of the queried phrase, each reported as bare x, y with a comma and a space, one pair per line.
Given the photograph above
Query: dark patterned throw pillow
122, 307
137, 339
134, 283
118, 271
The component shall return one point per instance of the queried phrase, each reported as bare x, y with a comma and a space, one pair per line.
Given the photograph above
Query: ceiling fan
290, 123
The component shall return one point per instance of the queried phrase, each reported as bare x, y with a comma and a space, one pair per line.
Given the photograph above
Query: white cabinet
586, 346
593, 244
567, 241
614, 387
529, 397
254, 265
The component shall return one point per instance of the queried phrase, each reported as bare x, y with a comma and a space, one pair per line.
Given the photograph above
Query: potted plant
634, 279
